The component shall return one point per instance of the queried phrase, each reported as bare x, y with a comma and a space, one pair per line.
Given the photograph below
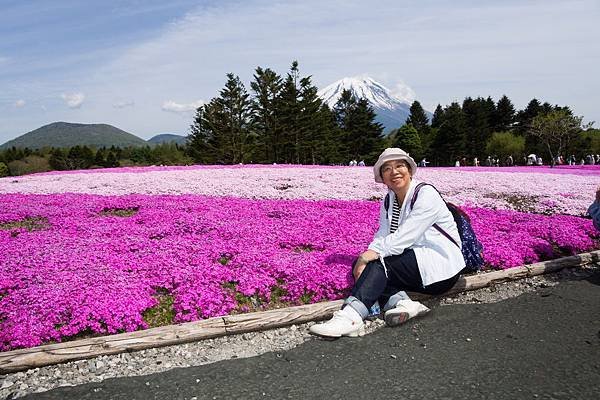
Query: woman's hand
362, 262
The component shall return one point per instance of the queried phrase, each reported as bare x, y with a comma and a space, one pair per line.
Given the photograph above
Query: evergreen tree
504, 117
100, 158
203, 142
418, 119
80, 157
408, 139
523, 125
222, 130
58, 160
438, 117
266, 87
524, 117
111, 160
288, 115
314, 125
362, 136
449, 142
478, 115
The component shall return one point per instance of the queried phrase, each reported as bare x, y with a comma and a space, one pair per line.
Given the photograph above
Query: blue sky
144, 66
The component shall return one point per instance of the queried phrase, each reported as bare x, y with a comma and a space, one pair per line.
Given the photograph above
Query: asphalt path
540, 345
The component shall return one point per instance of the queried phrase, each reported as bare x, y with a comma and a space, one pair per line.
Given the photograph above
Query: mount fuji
392, 110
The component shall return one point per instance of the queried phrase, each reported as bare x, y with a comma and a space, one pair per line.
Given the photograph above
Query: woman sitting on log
406, 254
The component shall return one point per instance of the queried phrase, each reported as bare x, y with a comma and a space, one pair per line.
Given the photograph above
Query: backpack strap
436, 226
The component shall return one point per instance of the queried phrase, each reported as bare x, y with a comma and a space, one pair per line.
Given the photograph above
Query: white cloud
123, 104
73, 100
172, 106
20, 103
404, 92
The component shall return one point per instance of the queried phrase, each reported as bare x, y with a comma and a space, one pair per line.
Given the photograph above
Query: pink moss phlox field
89, 270
542, 190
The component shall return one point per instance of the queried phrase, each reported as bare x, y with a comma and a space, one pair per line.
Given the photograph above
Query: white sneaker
404, 310
345, 322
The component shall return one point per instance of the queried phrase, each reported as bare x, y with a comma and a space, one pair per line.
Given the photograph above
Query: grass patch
518, 202
306, 298
225, 258
163, 313
29, 223
303, 248
119, 212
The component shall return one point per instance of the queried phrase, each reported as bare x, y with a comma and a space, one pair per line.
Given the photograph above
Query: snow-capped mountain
392, 110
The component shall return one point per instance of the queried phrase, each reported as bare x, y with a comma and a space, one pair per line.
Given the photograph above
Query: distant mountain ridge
392, 111
66, 134
167, 138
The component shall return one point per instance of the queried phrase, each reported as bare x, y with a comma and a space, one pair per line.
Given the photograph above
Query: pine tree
111, 160
203, 141
438, 117
523, 126
409, 140
266, 87
504, 117
449, 142
58, 160
418, 119
524, 117
478, 115
288, 115
362, 136
222, 130
100, 158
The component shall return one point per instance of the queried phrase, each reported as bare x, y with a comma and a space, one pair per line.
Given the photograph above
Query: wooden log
23, 359
282, 317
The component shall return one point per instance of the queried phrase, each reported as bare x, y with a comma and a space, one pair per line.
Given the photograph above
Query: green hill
65, 134
167, 138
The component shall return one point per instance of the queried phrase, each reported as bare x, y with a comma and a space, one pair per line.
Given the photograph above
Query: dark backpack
471, 248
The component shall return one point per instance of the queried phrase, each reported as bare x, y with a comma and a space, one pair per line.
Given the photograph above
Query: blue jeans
403, 274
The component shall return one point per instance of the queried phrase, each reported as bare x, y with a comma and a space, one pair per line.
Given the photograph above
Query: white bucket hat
389, 154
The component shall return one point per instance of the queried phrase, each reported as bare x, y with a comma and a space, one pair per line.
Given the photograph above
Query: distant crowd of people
494, 161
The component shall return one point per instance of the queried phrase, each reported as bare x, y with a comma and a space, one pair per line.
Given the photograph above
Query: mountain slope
167, 138
392, 111
65, 134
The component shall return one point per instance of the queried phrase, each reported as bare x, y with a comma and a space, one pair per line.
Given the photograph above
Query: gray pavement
540, 345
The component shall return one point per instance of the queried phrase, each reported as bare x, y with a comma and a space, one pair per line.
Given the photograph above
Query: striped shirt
395, 216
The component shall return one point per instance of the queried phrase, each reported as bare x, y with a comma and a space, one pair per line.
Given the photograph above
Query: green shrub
3, 170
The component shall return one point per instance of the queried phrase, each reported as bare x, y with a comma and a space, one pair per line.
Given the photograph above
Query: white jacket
438, 258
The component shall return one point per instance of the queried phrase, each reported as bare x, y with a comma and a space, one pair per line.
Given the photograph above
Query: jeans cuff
357, 305
393, 300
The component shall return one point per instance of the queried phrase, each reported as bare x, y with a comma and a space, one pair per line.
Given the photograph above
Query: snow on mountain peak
363, 86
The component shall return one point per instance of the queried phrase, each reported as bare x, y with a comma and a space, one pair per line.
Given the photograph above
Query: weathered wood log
277, 318
18, 360
22, 359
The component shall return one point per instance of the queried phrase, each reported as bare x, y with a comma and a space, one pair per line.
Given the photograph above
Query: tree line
480, 127
282, 120
19, 161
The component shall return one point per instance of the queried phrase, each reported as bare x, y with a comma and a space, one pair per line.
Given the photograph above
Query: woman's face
396, 175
